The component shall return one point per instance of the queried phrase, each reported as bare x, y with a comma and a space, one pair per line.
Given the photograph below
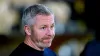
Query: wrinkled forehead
45, 18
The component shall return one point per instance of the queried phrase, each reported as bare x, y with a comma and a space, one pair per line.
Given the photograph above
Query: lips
47, 40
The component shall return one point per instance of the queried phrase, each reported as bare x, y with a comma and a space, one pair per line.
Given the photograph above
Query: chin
46, 45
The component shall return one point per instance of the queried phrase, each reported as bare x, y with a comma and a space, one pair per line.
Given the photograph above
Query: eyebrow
46, 25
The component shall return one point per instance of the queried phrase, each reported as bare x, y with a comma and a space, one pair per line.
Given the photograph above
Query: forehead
45, 19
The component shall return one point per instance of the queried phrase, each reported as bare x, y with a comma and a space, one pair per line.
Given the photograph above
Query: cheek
40, 34
53, 31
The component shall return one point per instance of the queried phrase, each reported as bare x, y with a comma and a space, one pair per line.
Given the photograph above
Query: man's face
43, 30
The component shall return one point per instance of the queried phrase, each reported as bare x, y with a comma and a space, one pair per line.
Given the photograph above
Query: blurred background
76, 24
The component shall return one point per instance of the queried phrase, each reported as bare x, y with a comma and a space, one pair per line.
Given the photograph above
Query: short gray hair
30, 13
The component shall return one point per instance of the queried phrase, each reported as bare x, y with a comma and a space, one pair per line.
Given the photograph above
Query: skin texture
42, 32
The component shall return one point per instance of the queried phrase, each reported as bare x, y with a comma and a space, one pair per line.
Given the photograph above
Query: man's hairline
35, 17
31, 25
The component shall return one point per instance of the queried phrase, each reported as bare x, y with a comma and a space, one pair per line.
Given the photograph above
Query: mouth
47, 40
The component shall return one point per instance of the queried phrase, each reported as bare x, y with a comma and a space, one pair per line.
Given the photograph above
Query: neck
30, 43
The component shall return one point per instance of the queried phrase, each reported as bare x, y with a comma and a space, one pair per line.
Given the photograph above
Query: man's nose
49, 32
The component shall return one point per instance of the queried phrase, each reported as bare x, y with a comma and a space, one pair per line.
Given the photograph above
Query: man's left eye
52, 26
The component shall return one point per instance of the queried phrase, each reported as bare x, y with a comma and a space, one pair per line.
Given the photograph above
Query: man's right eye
43, 27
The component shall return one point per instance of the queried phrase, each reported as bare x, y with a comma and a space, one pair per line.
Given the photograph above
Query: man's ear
27, 29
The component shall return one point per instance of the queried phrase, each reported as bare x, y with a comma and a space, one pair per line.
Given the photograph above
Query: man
38, 23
